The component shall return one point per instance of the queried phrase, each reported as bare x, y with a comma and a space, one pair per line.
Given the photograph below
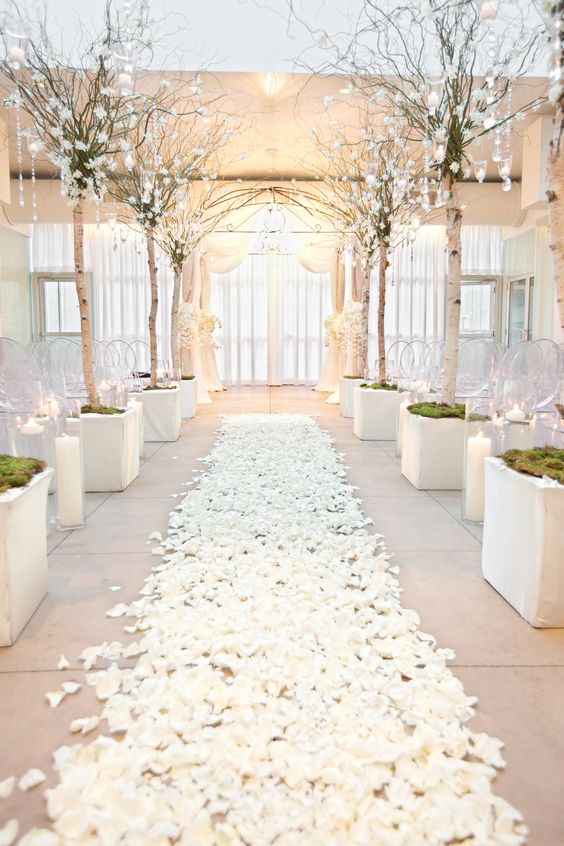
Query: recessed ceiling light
346, 90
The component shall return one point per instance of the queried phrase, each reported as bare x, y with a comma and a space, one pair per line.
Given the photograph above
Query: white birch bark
362, 358
454, 273
174, 335
555, 196
150, 236
382, 267
84, 308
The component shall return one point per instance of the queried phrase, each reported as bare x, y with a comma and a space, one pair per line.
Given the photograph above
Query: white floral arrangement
207, 324
346, 328
332, 333
188, 325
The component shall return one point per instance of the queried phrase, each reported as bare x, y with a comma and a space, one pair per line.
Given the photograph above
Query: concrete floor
517, 672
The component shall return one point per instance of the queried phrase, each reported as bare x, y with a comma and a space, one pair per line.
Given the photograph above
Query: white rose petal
63, 664
7, 786
9, 833
31, 778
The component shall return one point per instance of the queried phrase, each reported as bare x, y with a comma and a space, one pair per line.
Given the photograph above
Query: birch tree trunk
454, 273
555, 196
84, 308
362, 357
150, 236
174, 336
383, 264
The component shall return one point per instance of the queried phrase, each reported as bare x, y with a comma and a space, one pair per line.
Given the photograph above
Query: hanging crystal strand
97, 202
33, 147
63, 185
19, 154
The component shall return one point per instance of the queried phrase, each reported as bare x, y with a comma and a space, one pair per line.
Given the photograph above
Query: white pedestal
162, 415
110, 445
137, 406
376, 414
523, 546
188, 397
433, 452
23, 554
346, 395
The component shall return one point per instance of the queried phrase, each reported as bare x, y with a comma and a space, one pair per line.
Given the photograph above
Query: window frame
38, 280
493, 280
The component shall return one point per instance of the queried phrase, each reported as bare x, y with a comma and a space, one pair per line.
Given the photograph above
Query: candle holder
30, 431
479, 441
70, 502
515, 426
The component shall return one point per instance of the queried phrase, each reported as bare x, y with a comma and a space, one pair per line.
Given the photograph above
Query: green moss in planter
540, 461
187, 378
478, 418
352, 377
438, 411
380, 386
101, 409
17, 472
160, 388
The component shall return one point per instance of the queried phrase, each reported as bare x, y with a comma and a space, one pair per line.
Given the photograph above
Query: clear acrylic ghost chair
393, 355
412, 364
433, 366
476, 366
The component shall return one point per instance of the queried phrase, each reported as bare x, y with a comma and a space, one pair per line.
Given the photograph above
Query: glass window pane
51, 301
70, 314
475, 309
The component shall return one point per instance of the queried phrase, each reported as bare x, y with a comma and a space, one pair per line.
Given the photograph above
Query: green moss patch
17, 472
101, 409
352, 377
160, 388
380, 386
437, 410
187, 378
540, 461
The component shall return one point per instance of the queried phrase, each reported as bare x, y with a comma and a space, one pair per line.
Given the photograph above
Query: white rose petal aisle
279, 693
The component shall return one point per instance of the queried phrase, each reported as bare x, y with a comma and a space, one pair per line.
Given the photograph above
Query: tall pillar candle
70, 494
478, 449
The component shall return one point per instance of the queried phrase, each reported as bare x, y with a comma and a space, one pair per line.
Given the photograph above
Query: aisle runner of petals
280, 694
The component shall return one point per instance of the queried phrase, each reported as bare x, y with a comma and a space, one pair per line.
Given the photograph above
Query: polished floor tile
516, 671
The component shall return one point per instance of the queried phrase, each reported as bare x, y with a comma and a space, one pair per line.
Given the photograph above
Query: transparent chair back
412, 360
552, 372
476, 366
393, 356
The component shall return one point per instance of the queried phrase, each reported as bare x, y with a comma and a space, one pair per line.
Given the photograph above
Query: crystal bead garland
34, 146
19, 146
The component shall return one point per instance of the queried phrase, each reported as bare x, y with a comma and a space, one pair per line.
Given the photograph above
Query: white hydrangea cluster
275, 691
188, 325
345, 328
208, 323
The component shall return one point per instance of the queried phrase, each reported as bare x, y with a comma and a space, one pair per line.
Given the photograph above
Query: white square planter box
433, 452
346, 395
188, 397
523, 546
110, 450
137, 406
376, 414
162, 415
23, 554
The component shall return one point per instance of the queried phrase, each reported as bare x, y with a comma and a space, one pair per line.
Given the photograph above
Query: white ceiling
236, 35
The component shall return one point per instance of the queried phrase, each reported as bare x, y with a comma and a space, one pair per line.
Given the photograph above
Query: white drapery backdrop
120, 297
415, 290
272, 311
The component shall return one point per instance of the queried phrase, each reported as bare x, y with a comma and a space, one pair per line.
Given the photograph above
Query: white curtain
119, 279
273, 311
415, 290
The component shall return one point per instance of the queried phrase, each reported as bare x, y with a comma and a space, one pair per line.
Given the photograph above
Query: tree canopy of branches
172, 151
372, 175
448, 68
